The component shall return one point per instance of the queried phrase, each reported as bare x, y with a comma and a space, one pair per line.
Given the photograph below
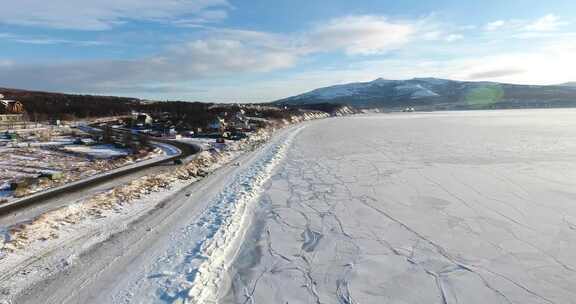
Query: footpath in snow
194, 268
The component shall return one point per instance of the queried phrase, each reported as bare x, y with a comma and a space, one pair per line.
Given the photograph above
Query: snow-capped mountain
437, 92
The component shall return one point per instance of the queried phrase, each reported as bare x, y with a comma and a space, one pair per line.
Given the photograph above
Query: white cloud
432, 35
454, 37
224, 52
492, 26
550, 64
194, 60
352, 35
204, 17
105, 14
547, 23
547, 64
47, 40
221, 52
175, 72
5, 63
361, 35
441, 36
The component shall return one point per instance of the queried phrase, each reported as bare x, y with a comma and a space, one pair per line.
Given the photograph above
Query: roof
11, 107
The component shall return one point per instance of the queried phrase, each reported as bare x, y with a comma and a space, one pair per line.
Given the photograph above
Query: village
35, 156
38, 156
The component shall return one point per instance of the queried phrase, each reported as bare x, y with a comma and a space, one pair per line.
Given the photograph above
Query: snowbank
227, 220
93, 218
38, 234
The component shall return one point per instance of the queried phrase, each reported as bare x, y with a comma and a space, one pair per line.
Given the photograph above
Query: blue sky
262, 50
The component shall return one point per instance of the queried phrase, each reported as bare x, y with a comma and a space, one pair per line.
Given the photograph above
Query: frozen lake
460, 207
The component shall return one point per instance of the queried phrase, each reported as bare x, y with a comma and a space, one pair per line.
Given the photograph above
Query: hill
434, 93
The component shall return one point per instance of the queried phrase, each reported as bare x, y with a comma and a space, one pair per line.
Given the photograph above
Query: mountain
569, 84
435, 93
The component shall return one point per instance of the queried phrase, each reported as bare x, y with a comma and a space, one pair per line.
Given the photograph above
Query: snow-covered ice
470, 207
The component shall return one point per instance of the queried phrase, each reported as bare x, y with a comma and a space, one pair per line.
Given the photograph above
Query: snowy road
30, 212
471, 207
181, 243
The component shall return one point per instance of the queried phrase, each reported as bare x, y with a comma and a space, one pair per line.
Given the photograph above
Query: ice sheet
472, 207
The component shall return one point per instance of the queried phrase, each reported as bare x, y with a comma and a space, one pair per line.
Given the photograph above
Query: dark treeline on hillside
42, 106
45, 106
324, 107
182, 114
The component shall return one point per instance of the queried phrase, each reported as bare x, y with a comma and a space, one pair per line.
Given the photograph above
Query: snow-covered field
460, 207
98, 151
60, 155
470, 207
48, 245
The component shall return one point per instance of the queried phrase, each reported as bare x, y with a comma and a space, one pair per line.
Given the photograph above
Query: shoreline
50, 247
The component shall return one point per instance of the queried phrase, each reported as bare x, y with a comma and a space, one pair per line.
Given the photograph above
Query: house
217, 125
257, 122
11, 114
142, 119
240, 121
11, 107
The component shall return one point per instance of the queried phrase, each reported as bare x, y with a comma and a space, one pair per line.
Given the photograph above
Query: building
10, 107
142, 119
240, 121
217, 125
11, 114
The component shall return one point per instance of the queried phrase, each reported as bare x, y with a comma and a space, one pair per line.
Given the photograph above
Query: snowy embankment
198, 276
36, 250
94, 218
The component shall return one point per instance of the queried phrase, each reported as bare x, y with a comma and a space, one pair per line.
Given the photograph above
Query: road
30, 207
31, 211
126, 267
